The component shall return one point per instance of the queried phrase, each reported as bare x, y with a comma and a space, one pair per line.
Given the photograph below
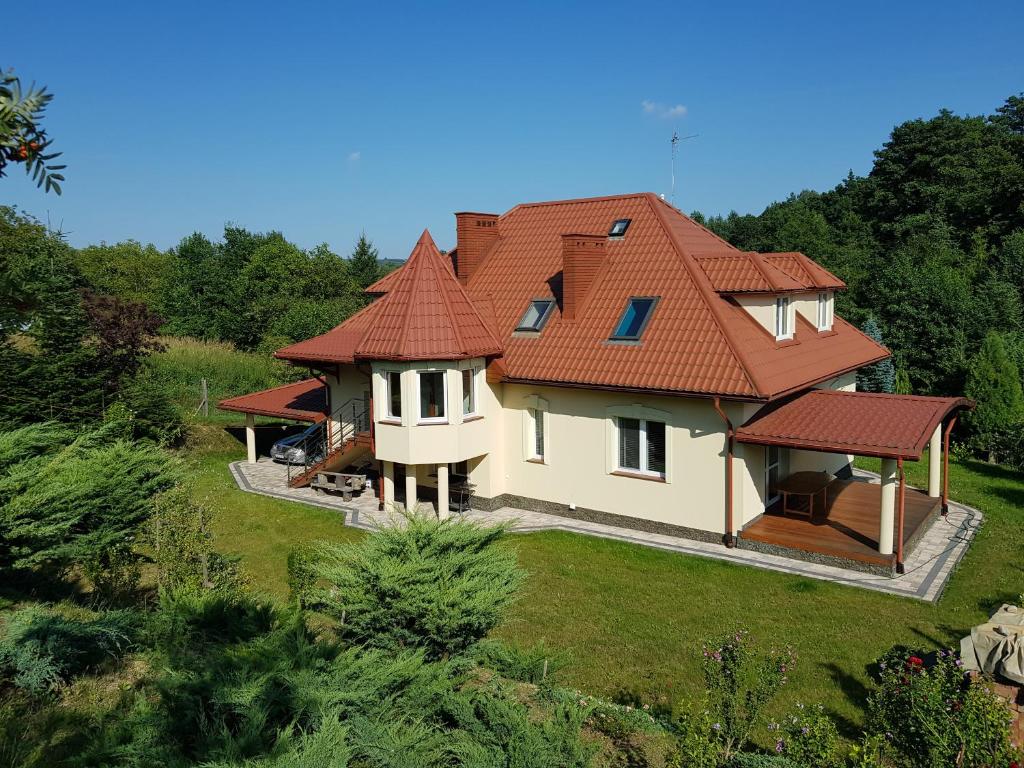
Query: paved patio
927, 569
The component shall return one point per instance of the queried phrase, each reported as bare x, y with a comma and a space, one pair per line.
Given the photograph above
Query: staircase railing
342, 426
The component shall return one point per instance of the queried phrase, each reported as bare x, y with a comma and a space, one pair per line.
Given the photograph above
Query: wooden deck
848, 528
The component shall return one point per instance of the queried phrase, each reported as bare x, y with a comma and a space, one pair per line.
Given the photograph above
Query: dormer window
634, 320
825, 311
619, 227
536, 315
783, 328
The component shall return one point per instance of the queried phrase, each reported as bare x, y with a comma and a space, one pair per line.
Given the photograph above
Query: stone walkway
927, 569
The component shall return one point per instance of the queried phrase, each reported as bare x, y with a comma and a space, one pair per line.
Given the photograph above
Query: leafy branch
22, 140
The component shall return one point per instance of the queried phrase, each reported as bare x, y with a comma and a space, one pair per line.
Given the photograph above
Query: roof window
635, 318
536, 315
619, 227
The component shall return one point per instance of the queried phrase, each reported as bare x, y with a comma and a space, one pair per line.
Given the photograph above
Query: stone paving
927, 569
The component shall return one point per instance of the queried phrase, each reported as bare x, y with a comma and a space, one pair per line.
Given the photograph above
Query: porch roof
861, 423
303, 401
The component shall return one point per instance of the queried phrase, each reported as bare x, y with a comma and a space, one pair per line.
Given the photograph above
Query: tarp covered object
997, 646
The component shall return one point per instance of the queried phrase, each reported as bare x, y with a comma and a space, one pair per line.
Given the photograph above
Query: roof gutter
730, 540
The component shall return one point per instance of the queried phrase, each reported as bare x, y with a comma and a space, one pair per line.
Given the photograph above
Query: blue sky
324, 120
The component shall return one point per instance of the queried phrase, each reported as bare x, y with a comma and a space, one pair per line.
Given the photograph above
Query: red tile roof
861, 423
303, 401
425, 315
697, 341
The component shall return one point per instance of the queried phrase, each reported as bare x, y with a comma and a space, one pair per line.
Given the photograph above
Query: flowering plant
808, 736
740, 682
935, 715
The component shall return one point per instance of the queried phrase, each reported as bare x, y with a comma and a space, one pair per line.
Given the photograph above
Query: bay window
393, 379
433, 390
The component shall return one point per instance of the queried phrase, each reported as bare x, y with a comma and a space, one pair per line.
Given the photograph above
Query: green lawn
634, 618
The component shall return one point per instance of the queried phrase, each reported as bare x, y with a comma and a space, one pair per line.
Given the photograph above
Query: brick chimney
582, 259
475, 233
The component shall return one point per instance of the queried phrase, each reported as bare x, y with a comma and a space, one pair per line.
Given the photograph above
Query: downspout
729, 540
945, 466
899, 515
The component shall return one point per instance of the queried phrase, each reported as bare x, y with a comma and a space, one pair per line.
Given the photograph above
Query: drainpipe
729, 539
899, 515
945, 467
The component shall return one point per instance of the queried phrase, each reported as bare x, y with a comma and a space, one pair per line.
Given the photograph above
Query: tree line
931, 245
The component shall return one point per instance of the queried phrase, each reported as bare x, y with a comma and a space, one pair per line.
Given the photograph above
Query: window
642, 446
536, 315
432, 395
824, 311
635, 318
782, 329
537, 444
772, 464
619, 227
469, 391
394, 399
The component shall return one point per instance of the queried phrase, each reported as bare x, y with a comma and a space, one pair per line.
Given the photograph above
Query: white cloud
665, 111
354, 157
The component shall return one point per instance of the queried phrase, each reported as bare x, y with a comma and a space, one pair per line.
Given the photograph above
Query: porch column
888, 511
388, 484
935, 463
250, 438
442, 491
410, 487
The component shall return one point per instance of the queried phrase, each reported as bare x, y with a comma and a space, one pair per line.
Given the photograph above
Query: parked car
292, 449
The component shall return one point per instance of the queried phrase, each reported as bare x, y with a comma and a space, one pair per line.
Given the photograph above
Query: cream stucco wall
350, 383
580, 468
761, 307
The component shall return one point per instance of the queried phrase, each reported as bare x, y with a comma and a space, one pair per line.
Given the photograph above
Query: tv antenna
676, 138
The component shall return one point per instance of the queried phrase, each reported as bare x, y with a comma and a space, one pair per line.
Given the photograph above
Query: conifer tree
880, 377
993, 382
364, 265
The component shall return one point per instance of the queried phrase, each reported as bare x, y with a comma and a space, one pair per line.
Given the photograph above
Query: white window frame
388, 415
642, 469
535, 409
825, 311
474, 376
783, 327
420, 418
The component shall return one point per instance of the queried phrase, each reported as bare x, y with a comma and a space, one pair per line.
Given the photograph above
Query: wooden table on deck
804, 484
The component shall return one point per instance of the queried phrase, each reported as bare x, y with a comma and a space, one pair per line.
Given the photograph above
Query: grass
634, 618
228, 372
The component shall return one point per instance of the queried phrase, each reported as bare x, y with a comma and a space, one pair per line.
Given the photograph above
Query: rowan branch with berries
22, 139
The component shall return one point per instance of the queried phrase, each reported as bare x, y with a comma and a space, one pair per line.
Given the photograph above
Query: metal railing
343, 425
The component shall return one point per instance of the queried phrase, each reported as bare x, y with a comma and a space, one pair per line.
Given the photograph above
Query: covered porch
877, 523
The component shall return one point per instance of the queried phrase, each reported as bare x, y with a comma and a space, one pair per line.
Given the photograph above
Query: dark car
292, 449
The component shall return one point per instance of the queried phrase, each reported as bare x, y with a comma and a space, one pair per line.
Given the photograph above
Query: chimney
582, 259
475, 233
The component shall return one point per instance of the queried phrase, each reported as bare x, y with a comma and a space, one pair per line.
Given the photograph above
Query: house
611, 359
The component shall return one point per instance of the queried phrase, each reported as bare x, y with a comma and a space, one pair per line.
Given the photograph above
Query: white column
250, 437
888, 511
388, 484
410, 487
935, 463
442, 491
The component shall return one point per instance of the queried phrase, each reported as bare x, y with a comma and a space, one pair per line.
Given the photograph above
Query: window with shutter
641, 446
629, 444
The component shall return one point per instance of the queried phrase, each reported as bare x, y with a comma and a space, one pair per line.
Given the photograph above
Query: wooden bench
339, 481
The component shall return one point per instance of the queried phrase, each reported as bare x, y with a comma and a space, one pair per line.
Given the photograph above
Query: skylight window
635, 318
536, 315
619, 227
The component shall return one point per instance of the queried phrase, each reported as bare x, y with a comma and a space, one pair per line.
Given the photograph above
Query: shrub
754, 760
739, 683
439, 585
180, 544
524, 664
937, 715
154, 416
809, 737
41, 650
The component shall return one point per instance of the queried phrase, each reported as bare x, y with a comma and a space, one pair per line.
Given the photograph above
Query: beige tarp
997, 647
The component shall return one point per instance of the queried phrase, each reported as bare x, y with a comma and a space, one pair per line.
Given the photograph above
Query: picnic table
344, 482
806, 487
